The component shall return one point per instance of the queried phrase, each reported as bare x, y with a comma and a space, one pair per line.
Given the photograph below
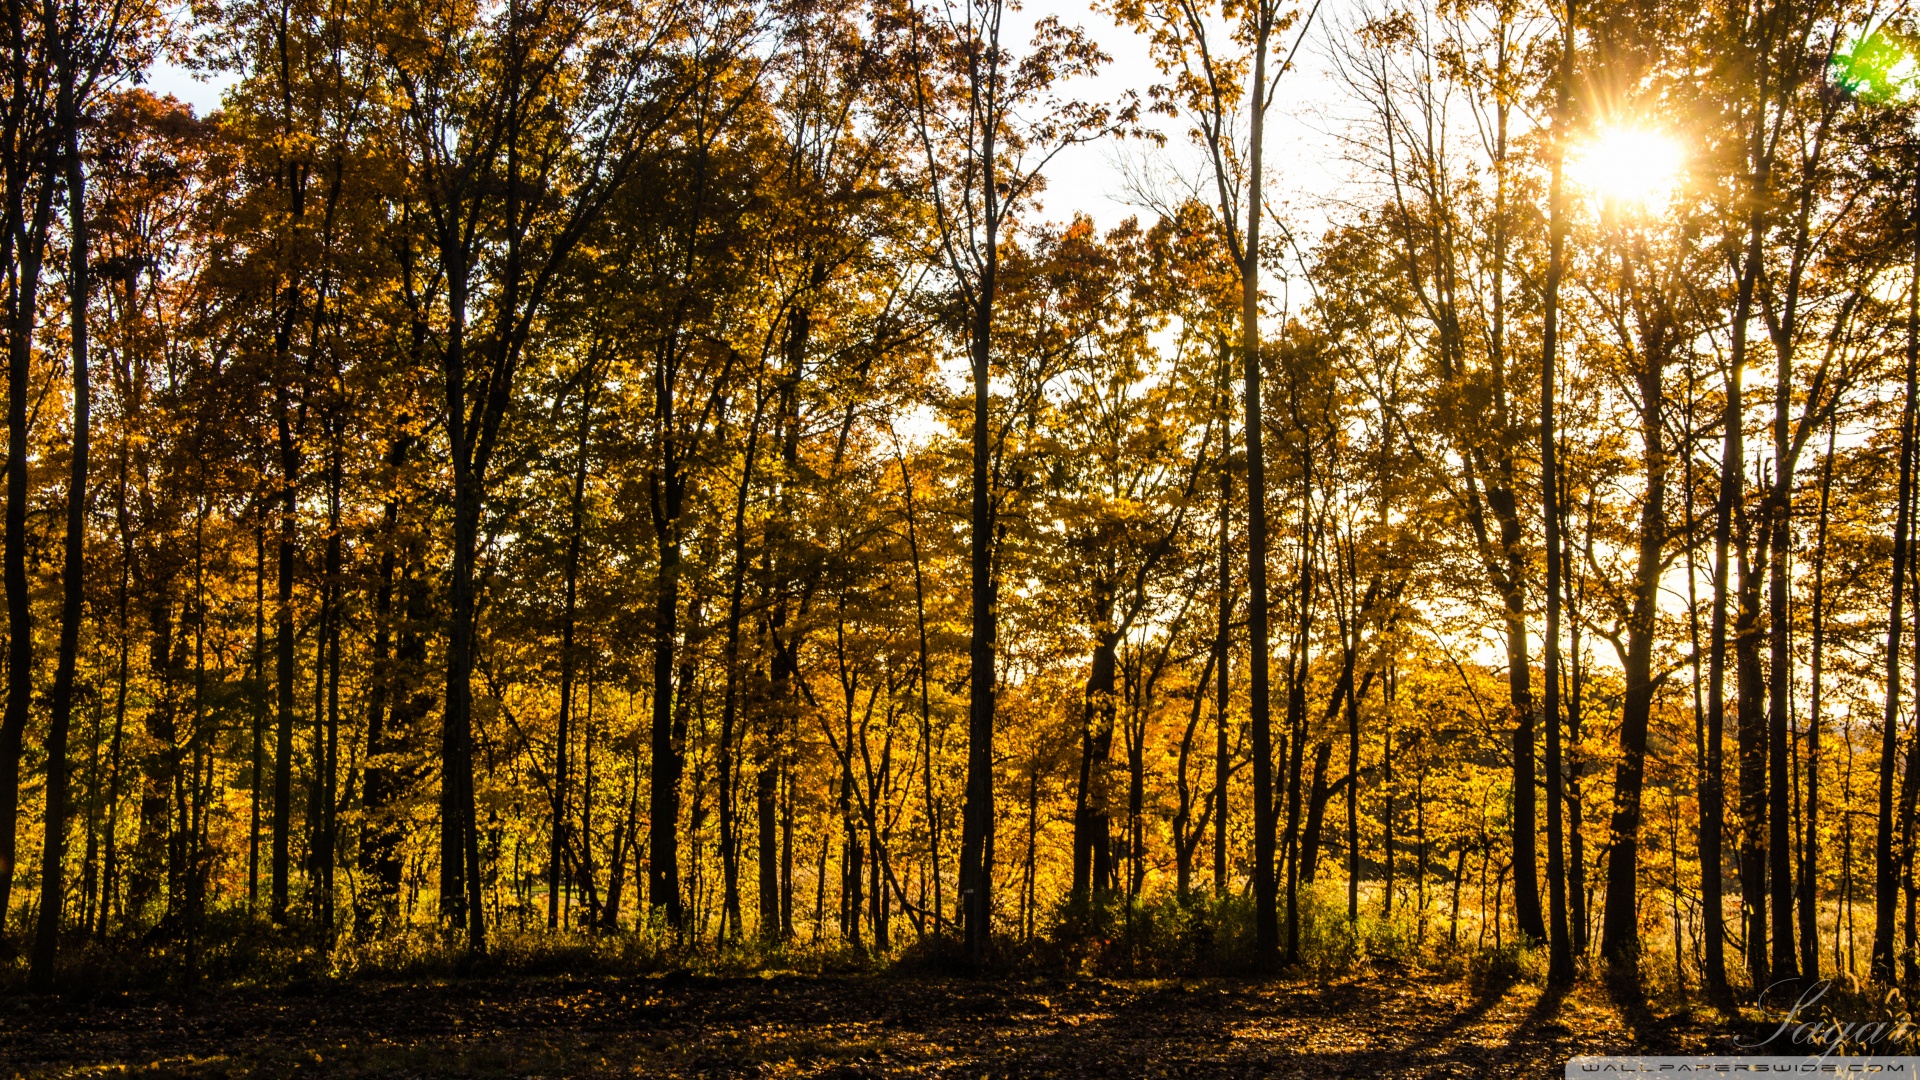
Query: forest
651, 478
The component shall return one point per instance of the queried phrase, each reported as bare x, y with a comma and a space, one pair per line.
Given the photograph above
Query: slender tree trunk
46, 942
29, 250
1779, 633
1560, 955
1386, 812
330, 790
1353, 807
725, 754
1222, 644
976, 841
1817, 618
257, 686
1502, 499
283, 662
926, 704
381, 836
1316, 812
1727, 507
568, 659
1620, 935
1298, 660
1886, 872
1751, 731
459, 839
663, 842
109, 883
1187, 835
1259, 704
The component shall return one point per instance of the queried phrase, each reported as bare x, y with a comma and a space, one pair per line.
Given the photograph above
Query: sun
1627, 168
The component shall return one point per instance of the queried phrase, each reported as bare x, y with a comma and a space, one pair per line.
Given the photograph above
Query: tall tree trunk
381, 835
568, 659
1751, 730
1387, 792
283, 661
29, 250
1259, 703
727, 751
1222, 646
46, 942
330, 763
1560, 956
459, 841
109, 877
1620, 935
977, 821
1298, 660
1886, 870
257, 688
663, 799
1778, 534
1810, 857
1727, 507
926, 704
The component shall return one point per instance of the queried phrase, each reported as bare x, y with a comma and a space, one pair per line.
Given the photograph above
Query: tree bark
1810, 852
1259, 702
29, 250
46, 942
1560, 956
1886, 870
1620, 934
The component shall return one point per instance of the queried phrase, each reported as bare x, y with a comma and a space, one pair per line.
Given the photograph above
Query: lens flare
1876, 68
1627, 168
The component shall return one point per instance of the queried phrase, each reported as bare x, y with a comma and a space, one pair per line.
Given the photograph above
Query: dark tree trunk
569, 660
283, 662
460, 874
1886, 868
1560, 956
926, 705
1386, 814
667, 491
1726, 509
1620, 936
1259, 703
1316, 812
1751, 729
326, 703
1810, 852
257, 689
725, 754
29, 249
46, 942
381, 836
1222, 646
977, 818
1092, 811
1298, 660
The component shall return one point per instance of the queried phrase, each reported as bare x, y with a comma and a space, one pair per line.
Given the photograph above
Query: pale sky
1304, 168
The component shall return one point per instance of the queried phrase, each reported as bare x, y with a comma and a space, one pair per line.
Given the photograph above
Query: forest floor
893, 1025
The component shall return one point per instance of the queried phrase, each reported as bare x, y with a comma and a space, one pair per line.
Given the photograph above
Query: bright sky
1304, 168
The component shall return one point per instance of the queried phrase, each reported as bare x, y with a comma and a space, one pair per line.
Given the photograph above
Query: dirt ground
841, 1026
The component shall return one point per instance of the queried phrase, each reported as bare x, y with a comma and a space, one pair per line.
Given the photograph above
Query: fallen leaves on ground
892, 1025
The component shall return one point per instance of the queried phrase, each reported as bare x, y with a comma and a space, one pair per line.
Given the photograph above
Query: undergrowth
1167, 935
